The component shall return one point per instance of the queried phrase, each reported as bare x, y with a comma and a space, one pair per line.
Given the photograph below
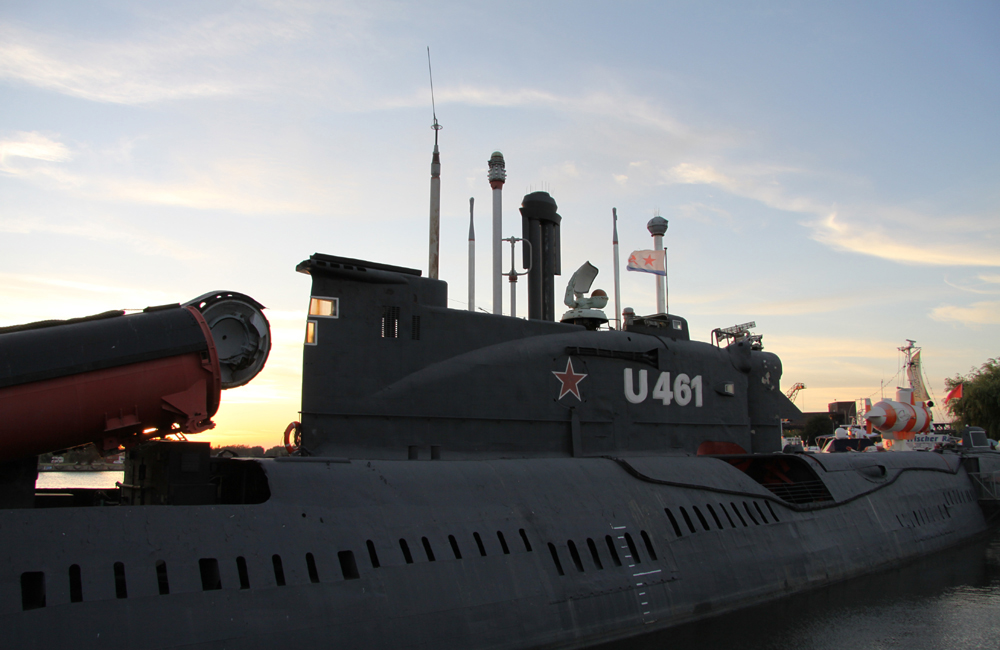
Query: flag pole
666, 284
657, 226
618, 285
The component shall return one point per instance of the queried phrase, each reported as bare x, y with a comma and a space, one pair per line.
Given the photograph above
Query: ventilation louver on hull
787, 477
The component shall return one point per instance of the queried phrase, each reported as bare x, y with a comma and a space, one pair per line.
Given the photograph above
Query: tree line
88, 454
247, 451
979, 405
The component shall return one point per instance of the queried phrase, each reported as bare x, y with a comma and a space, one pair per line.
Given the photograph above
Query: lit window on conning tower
323, 307
326, 307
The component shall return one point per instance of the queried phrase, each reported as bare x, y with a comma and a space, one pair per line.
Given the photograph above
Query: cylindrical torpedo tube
115, 379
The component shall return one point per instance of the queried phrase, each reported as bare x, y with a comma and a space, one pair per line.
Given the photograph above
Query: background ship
461, 480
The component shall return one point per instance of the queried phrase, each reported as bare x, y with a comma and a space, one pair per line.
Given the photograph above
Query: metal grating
801, 491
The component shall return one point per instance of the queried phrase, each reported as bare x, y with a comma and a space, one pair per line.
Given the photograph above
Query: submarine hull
461, 554
472, 480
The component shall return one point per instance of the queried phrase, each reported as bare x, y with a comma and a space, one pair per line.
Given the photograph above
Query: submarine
457, 479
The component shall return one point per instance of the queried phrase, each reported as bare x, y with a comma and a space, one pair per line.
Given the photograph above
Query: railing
987, 485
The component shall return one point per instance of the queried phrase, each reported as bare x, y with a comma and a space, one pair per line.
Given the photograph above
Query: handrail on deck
987, 485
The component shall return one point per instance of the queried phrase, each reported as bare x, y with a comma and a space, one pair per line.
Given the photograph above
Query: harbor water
78, 479
948, 601
951, 600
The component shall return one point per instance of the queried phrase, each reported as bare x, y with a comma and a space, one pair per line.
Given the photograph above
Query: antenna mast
472, 257
618, 286
657, 226
498, 176
435, 220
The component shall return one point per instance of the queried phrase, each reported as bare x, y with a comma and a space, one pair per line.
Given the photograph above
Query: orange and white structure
901, 420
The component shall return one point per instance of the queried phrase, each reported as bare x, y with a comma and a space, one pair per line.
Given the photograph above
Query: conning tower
390, 372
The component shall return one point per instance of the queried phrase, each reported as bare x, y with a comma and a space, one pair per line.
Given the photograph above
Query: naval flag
647, 262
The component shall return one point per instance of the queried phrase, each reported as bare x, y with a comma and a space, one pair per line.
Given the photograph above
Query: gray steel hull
330, 522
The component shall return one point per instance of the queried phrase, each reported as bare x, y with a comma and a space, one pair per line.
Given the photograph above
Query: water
59, 480
951, 600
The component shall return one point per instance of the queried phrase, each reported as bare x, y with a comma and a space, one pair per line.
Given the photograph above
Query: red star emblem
648, 260
570, 381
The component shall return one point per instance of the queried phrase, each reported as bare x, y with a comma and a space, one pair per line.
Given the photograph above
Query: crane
794, 390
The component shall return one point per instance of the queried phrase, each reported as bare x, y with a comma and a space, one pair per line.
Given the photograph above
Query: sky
828, 170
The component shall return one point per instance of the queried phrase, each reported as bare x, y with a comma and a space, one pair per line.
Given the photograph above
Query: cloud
886, 232
215, 54
35, 157
729, 304
99, 230
705, 213
266, 389
240, 52
978, 313
245, 186
757, 183
621, 107
87, 287
121, 73
26, 298
692, 174
32, 145
834, 368
287, 316
914, 245
988, 284
563, 172
831, 349
220, 191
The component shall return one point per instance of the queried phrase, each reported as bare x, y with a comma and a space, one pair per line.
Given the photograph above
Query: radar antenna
437, 127
723, 335
435, 212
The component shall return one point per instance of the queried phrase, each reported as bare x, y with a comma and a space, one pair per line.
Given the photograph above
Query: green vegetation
84, 455
246, 451
88, 454
979, 405
817, 425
